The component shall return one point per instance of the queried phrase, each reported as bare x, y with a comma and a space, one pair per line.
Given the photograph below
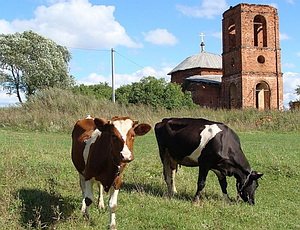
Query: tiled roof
201, 60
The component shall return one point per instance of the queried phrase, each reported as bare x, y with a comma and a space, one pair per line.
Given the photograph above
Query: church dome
200, 60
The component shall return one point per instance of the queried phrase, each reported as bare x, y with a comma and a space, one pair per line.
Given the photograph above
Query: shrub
99, 91
156, 93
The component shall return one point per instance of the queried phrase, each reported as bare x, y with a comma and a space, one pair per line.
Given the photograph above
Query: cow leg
87, 198
223, 184
169, 170
82, 184
113, 207
201, 182
100, 198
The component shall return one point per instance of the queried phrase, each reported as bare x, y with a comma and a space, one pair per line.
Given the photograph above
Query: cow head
247, 189
122, 131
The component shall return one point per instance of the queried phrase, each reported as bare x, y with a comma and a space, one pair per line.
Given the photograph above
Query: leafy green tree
30, 62
154, 92
298, 90
123, 93
99, 91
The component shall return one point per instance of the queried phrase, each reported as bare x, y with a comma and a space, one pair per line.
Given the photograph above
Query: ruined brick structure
250, 66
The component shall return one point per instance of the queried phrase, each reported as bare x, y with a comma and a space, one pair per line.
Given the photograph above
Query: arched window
263, 96
260, 31
231, 34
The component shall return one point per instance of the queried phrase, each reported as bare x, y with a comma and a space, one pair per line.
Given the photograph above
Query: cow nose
126, 154
126, 159
251, 202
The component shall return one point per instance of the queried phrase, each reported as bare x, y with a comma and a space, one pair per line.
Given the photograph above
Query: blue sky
149, 37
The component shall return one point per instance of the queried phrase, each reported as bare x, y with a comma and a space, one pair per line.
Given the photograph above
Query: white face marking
123, 126
206, 135
88, 117
88, 144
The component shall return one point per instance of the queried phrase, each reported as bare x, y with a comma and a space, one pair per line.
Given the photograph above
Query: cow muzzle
126, 154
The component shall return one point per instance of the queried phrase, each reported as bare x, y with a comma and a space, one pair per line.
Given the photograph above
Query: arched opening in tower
262, 96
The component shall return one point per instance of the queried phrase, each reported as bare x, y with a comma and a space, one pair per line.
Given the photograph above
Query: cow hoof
197, 201
112, 227
101, 206
86, 216
226, 199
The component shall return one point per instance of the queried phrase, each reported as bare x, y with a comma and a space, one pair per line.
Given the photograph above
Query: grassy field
39, 187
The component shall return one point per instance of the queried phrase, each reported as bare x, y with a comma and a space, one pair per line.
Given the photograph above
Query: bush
99, 91
155, 93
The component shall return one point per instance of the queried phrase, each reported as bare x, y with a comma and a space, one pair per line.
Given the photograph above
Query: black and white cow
208, 145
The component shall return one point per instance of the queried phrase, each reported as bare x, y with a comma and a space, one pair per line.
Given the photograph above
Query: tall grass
56, 110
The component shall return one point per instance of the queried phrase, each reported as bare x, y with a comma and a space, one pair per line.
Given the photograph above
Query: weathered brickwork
251, 62
251, 58
206, 95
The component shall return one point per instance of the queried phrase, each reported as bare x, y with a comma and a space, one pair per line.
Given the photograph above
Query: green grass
39, 187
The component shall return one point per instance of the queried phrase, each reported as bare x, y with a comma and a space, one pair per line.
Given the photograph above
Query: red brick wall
206, 95
242, 63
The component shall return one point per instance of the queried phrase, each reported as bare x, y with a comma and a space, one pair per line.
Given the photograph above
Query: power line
107, 50
133, 62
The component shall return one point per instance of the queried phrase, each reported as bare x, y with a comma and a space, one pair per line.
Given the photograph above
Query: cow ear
142, 129
100, 122
256, 175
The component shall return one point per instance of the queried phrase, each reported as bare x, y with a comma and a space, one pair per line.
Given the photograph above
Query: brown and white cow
100, 151
208, 145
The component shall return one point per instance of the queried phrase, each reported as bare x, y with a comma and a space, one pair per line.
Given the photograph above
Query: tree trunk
19, 95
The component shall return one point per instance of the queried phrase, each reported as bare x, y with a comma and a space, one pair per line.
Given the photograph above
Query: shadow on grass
162, 192
153, 190
41, 209
143, 188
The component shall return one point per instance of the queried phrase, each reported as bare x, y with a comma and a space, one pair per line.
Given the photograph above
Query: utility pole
112, 74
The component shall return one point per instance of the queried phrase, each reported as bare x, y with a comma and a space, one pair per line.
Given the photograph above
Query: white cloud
160, 37
207, 9
75, 23
291, 81
283, 36
5, 27
93, 79
275, 5
289, 65
217, 35
125, 79
6, 99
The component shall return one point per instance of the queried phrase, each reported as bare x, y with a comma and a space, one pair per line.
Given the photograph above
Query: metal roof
210, 79
200, 60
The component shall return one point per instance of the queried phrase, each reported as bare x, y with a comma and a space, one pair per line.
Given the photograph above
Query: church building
248, 73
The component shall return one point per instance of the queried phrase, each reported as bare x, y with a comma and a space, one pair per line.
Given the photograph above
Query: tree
298, 90
99, 91
154, 92
30, 62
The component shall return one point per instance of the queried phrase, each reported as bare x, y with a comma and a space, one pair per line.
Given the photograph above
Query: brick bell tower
252, 75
